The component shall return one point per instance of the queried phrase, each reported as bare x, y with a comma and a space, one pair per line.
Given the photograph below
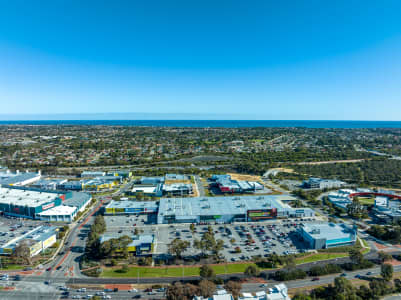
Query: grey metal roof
133, 204
77, 199
220, 205
16, 178
329, 231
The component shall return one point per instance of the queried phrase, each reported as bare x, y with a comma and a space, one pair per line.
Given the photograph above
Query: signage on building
50, 241
47, 206
262, 214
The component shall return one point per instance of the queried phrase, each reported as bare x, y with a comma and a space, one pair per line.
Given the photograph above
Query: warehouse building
151, 180
25, 203
18, 178
78, 200
227, 185
60, 213
74, 202
71, 186
123, 173
100, 183
49, 184
178, 189
92, 174
33, 203
319, 183
141, 245
227, 209
176, 177
327, 235
131, 207
37, 240
150, 190
341, 198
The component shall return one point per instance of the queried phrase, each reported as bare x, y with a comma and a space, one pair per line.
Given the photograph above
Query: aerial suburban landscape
175, 213
200, 150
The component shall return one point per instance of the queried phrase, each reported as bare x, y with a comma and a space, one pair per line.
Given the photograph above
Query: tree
234, 287
192, 227
99, 224
206, 272
208, 243
179, 291
206, 288
252, 271
177, 246
124, 268
218, 246
383, 256
302, 297
22, 252
356, 209
378, 288
386, 271
342, 285
355, 256
289, 262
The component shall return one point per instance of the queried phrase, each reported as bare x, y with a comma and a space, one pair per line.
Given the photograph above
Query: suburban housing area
238, 231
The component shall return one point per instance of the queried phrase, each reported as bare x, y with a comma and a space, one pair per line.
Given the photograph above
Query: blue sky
264, 59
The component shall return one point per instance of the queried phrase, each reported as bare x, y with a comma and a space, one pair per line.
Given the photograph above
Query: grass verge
173, 271
318, 257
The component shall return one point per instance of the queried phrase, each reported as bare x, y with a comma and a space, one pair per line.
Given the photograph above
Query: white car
106, 297
133, 291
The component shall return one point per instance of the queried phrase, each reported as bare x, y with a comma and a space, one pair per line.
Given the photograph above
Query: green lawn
367, 201
319, 256
174, 272
13, 267
194, 271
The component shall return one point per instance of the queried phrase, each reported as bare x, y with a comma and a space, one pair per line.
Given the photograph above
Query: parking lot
11, 228
242, 241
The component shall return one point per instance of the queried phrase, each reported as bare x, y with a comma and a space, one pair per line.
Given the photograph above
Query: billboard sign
47, 206
50, 241
133, 210
262, 214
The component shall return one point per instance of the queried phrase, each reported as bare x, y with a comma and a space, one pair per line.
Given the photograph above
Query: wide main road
247, 287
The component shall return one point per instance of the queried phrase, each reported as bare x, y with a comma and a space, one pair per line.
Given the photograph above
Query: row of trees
205, 288
386, 233
93, 245
343, 289
377, 171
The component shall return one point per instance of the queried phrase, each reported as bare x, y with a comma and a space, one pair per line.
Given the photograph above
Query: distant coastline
214, 123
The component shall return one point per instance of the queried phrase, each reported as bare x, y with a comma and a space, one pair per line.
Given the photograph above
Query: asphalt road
248, 287
199, 185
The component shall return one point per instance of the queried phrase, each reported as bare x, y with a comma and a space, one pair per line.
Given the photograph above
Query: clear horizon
158, 117
257, 61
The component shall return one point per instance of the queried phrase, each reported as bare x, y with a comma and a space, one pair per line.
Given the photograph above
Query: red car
315, 279
49, 269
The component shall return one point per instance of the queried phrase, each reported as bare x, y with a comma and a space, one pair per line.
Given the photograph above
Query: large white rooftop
26, 197
61, 210
221, 205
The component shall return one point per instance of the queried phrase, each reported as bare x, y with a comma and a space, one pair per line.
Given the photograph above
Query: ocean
216, 123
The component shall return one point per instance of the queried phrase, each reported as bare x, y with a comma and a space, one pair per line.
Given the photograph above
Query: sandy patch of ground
236, 176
